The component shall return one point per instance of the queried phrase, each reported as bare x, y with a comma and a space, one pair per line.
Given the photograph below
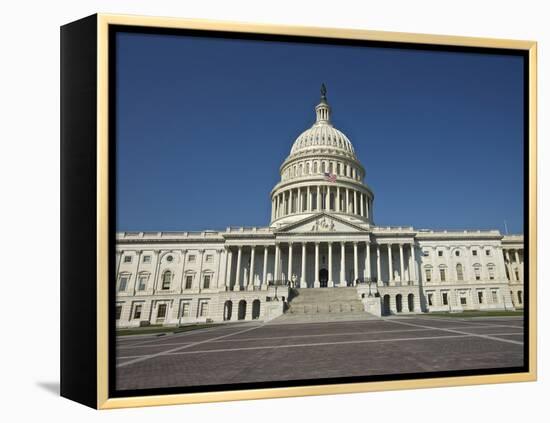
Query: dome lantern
323, 109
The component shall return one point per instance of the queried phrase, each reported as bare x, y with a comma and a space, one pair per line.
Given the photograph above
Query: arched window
307, 168
166, 279
520, 297
300, 170
324, 167
459, 272
338, 168
314, 167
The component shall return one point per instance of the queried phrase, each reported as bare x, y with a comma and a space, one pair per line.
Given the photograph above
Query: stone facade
322, 235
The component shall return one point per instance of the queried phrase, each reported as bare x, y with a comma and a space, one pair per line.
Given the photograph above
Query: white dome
322, 135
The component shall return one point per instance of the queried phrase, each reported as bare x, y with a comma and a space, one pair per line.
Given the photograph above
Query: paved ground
256, 352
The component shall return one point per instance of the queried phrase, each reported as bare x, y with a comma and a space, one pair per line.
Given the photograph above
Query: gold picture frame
98, 27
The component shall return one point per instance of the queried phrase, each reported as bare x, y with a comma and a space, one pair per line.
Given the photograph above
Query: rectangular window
425, 253
188, 282
185, 307
127, 259
209, 258
206, 284
428, 275
118, 312
463, 300
442, 274
477, 272
491, 273
517, 274
440, 253
123, 283
142, 283
161, 314
495, 296
430, 299
137, 311
474, 252
445, 299
204, 309
191, 258
146, 259
480, 297
487, 252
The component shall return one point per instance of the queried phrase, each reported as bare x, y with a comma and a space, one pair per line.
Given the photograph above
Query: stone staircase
324, 305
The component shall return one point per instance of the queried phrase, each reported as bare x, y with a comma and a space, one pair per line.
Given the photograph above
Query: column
516, 256
299, 200
272, 208
237, 285
308, 200
378, 266
277, 258
289, 273
509, 266
361, 210
355, 263
330, 281
318, 205
347, 200
367, 261
343, 282
228, 269
251, 276
390, 265
354, 202
199, 276
337, 199
316, 284
221, 261
402, 264
412, 265
303, 281
264, 276
135, 277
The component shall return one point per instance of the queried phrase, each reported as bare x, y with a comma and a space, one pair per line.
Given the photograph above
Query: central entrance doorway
323, 278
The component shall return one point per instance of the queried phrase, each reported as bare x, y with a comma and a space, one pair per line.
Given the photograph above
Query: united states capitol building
321, 253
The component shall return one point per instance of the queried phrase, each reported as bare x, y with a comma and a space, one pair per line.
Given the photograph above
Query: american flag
331, 177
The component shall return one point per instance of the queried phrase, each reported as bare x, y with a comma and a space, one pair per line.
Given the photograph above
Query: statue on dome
323, 91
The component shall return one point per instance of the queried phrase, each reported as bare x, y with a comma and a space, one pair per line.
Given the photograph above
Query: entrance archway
255, 309
227, 309
410, 299
242, 310
386, 305
399, 303
323, 278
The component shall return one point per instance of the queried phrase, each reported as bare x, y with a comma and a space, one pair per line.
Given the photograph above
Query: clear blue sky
204, 124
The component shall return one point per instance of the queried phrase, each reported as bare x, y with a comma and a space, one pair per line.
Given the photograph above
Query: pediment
322, 223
